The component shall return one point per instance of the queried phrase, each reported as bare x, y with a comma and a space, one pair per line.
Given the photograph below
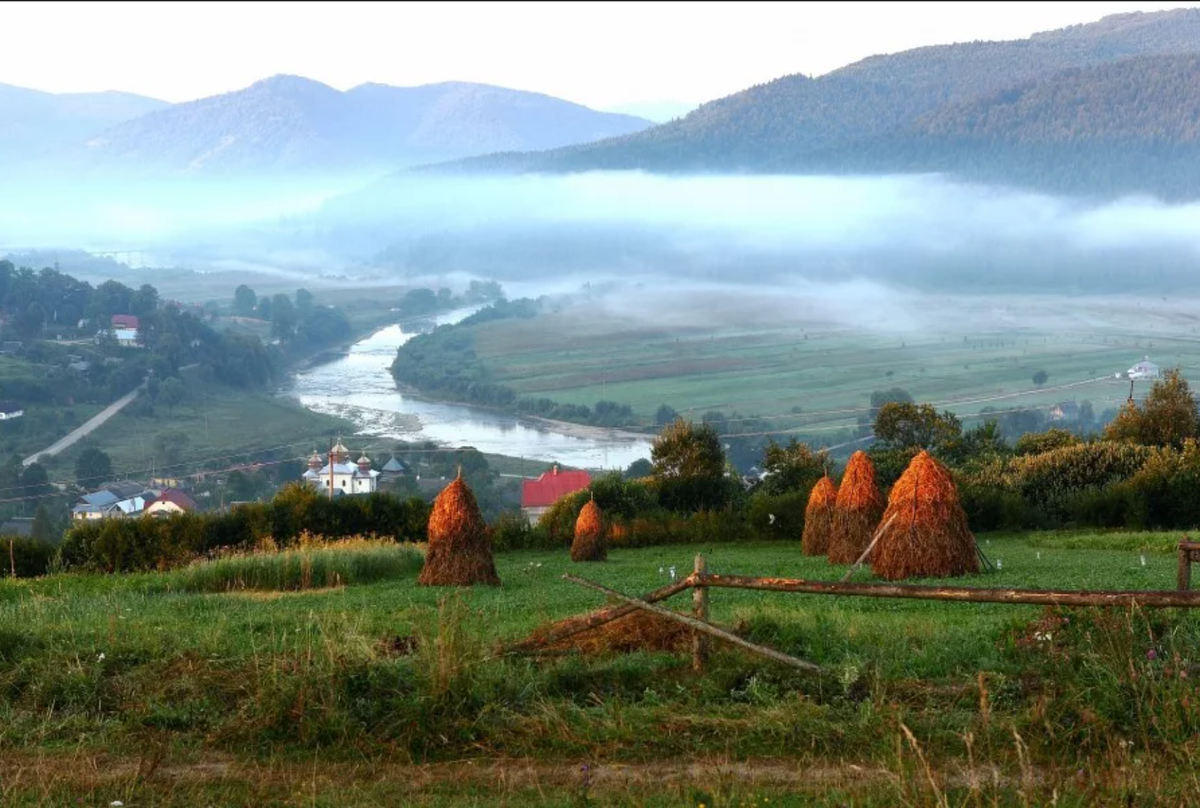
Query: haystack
460, 548
818, 518
857, 511
928, 537
590, 542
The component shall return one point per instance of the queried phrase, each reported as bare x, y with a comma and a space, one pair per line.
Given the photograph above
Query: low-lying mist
868, 236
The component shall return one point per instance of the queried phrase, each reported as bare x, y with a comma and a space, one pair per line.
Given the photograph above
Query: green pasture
773, 367
129, 688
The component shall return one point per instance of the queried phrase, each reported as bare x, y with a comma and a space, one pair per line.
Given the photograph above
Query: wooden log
1183, 578
576, 625
698, 625
700, 612
965, 594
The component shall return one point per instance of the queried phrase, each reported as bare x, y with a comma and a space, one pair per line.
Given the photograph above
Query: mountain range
288, 125
1106, 107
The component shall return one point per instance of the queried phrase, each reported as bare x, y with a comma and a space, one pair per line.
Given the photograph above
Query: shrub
30, 557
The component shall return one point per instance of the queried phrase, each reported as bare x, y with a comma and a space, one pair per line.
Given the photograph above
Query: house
125, 337
1144, 370
10, 409
392, 469
11, 348
122, 499
339, 473
170, 501
1066, 411
125, 321
538, 495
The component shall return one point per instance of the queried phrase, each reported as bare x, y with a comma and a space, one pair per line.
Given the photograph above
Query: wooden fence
701, 582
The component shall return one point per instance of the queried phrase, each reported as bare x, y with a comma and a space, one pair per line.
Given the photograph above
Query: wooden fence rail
701, 581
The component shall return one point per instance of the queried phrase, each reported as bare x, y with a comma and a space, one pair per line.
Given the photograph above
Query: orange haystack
590, 543
818, 518
460, 547
927, 535
856, 514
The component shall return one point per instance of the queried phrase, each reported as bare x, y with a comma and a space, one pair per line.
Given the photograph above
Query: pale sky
598, 54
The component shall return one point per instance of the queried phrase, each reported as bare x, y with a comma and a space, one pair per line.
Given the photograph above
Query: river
359, 386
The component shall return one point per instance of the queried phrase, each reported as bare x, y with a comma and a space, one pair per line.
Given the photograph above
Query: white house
344, 477
10, 409
1144, 370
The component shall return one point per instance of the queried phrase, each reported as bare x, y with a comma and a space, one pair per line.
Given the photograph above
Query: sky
598, 54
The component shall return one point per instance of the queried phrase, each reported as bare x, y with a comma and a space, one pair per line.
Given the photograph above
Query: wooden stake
1183, 581
577, 625
867, 551
12, 556
698, 625
700, 611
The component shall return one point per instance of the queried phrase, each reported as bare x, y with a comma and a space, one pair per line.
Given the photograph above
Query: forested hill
799, 123
1131, 126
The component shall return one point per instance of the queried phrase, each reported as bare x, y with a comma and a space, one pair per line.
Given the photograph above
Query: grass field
972, 352
386, 693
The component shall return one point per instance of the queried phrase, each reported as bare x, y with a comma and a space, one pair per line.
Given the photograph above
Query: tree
638, 469
689, 465
916, 426
244, 300
793, 467
664, 415
171, 391
169, 446
878, 399
283, 317
144, 301
304, 303
42, 528
1040, 378
35, 482
264, 309
1167, 416
418, 302
92, 467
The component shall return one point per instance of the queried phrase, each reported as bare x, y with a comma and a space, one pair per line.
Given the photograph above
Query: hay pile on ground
857, 512
590, 542
460, 548
640, 631
818, 518
928, 537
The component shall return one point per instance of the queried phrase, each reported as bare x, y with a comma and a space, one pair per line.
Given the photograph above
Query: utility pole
331, 470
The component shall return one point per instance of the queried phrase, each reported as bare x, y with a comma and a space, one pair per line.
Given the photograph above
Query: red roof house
169, 501
538, 495
125, 321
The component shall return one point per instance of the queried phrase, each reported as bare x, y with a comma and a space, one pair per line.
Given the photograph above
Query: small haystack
640, 631
857, 512
590, 543
460, 547
929, 537
818, 518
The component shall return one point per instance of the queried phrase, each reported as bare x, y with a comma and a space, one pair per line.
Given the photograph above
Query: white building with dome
345, 477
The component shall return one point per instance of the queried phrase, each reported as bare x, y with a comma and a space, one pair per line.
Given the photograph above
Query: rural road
86, 429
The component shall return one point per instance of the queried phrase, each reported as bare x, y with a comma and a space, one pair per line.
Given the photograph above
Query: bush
30, 557
788, 510
512, 531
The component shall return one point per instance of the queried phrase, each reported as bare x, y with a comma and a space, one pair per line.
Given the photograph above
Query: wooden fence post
1184, 579
700, 611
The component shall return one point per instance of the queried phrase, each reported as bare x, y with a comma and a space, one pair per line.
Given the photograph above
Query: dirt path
86, 429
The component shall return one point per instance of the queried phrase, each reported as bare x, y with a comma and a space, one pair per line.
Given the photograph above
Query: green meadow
250, 684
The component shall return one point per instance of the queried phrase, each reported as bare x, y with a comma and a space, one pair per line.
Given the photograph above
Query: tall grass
343, 563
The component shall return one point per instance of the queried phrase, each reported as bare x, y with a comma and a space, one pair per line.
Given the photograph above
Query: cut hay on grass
590, 542
640, 631
929, 537
857, 512
460, 546
818, 518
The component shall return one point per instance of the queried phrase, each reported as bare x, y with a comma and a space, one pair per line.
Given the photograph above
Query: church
344, 476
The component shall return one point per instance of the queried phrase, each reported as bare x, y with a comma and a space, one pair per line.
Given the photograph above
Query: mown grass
379, 693
344, 563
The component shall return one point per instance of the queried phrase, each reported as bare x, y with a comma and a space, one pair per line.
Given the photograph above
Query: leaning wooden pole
964, 594
557, 632
695, 624
867, 552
